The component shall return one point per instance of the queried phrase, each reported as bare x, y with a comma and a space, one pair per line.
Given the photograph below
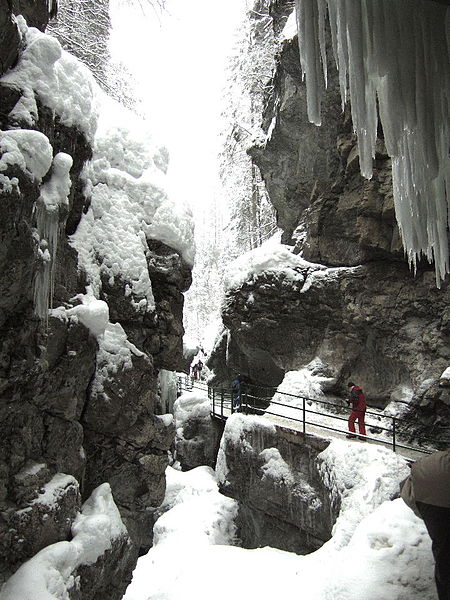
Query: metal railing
387, 430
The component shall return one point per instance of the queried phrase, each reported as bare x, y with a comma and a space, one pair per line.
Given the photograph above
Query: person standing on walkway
427, 492
358, 403
236, 391
200, 369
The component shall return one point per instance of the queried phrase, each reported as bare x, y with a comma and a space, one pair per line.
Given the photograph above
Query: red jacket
357, 398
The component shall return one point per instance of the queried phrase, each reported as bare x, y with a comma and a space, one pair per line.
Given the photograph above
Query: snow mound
51, 573
278, 260
191, 404
93, 313
359, 481
382, 550
300, 383
196, 518
115, 351
270, 256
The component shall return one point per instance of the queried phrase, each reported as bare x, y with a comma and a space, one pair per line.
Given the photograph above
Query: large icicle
396, 52
51, 211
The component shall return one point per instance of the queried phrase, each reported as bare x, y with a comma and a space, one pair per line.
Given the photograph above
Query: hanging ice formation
51, 211
396, 51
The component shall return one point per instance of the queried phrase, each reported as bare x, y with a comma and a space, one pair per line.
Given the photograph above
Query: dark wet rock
36, 13
44, 520
9, 41
109, 576
298, 156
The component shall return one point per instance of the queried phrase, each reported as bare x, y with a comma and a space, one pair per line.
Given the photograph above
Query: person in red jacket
358, 402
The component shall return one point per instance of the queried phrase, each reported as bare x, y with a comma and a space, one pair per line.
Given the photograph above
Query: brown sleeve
407, 494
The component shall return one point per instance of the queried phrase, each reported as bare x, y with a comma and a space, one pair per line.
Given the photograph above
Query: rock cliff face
197, 433
63, 433
356, 305
283, 500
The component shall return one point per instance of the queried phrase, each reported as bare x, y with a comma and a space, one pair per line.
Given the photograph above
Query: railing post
214, 400
221, 402
304, 416
393, 434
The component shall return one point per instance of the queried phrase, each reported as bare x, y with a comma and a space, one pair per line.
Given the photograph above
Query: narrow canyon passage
250, 198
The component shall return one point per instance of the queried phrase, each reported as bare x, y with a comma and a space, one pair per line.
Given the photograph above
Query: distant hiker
236, 393
199, 368
427, 492
195, 372
358, 403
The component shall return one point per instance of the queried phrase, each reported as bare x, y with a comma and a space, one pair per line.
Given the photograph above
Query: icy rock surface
282, 500
197, 435
360, 310
395, 53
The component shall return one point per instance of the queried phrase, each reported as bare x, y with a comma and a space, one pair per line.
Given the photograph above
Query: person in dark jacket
200, 369
358, 403
236, 391
427, 492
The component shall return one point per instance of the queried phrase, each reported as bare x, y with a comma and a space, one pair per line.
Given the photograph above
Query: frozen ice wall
51, 209
394, 52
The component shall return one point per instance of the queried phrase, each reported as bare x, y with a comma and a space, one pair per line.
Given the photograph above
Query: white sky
178, 59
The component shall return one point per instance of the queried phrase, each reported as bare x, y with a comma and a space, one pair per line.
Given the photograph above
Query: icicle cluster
396, 52
51, 211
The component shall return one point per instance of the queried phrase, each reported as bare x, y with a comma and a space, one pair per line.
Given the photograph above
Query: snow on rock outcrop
360, 482
59, 80
393, 54
129, 205
114, 349
277, 260
52, 573
126, 178
29, 150
367, 528
382, 550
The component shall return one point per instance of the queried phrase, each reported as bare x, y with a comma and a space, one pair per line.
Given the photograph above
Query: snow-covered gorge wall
88, 230
342, 291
